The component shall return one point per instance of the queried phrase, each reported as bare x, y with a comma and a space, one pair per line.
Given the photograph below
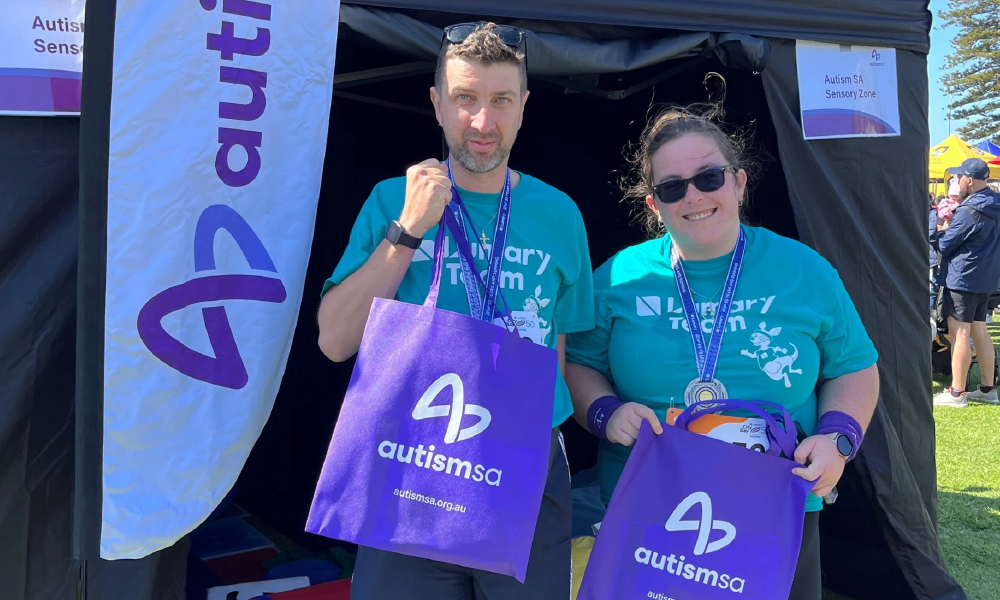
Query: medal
702, 391
706, 387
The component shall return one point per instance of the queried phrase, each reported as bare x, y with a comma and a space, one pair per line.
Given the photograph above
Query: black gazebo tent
859, 202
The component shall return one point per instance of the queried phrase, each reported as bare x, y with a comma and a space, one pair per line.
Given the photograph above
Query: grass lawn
968, 470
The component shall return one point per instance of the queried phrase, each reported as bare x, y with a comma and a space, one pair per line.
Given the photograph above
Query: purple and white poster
41, 57
219, 120
847, 91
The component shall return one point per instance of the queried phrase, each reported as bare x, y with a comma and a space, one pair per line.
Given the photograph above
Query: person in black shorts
970, 271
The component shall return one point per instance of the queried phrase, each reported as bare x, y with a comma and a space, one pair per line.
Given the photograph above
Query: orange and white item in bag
749, 432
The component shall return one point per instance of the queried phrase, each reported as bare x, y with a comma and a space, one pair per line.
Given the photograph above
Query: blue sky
937, 114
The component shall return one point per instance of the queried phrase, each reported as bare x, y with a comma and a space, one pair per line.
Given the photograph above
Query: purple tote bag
695, 518
441, 448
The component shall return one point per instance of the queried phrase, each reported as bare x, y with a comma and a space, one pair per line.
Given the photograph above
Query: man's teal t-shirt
791, 325
546, 277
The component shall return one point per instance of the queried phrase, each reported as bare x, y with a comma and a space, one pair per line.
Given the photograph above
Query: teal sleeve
575, 300
365, 237
590, 348
843, 343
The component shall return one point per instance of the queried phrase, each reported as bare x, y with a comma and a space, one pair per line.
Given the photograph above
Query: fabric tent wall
897, 23
38, 221
844, 194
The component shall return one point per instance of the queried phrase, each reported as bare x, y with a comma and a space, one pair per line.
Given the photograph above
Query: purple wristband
835, 421
600, 413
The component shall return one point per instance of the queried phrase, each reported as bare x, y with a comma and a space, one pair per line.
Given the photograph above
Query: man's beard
475, 162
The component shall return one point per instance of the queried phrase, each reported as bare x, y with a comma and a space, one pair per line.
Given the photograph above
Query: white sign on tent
219, 118
847, 91
41, 57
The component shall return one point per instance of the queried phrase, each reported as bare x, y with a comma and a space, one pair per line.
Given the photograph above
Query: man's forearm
344, 310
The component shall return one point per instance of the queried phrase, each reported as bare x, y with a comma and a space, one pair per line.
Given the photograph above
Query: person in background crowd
479, 93
970, 271
935, 256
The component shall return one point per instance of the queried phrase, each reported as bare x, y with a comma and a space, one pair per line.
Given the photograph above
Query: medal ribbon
708, 358
483, 308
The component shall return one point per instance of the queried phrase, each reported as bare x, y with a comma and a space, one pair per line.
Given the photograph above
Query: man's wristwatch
844, 444
398, 236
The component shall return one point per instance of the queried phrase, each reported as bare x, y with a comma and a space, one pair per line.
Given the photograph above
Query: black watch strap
398, 236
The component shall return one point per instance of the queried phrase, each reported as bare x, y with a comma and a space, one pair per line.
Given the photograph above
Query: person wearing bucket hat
479, 94
969, 246
772, 321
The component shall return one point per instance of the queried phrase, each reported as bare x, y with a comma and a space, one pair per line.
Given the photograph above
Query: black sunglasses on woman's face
709, 180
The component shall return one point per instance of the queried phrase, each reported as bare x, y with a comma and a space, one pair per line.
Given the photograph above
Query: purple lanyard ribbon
708, 358
482, 308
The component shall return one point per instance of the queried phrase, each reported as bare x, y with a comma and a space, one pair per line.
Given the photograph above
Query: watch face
844, 445
392, 234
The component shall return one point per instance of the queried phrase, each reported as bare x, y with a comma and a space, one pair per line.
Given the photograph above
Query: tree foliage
973, 77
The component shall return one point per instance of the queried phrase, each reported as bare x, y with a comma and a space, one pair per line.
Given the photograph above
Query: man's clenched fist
428, 191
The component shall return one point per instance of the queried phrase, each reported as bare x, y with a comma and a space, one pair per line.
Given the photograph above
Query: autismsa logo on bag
705, 526
427, 459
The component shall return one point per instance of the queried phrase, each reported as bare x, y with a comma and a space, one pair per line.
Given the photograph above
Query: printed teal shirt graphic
791, 325
546, 276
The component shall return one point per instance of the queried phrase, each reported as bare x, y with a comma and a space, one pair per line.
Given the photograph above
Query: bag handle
449, 223
784, 438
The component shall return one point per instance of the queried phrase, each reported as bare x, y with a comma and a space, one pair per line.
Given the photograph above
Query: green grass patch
968, 470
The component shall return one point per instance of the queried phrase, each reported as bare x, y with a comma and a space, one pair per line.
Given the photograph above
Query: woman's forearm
855, 394
585, 386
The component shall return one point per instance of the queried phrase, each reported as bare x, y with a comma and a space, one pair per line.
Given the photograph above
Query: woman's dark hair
670, 124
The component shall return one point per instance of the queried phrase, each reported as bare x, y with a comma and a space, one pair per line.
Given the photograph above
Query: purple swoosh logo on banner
227, 368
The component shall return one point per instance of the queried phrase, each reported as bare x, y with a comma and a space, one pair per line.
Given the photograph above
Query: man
478, 97
970, 272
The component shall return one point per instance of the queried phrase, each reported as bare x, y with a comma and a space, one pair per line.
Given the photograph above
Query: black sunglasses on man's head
511, 36
709, 180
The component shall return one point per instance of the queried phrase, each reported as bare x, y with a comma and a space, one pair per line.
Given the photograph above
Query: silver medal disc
701, 391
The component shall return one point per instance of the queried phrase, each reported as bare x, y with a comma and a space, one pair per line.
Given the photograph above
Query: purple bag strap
448, 223
784, 438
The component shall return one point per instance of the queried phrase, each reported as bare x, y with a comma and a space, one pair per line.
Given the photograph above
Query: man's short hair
485, 47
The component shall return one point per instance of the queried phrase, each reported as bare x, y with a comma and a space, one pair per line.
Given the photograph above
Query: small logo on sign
647, 306
705, 526
458, 408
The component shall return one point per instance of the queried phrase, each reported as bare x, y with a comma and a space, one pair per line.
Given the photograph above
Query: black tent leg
94, 141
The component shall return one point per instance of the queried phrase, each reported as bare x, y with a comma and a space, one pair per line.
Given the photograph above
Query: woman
791, 333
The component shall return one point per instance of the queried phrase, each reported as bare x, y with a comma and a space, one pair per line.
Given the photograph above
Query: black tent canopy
602, 61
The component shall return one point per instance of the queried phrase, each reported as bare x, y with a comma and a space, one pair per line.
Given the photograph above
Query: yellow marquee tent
951, 152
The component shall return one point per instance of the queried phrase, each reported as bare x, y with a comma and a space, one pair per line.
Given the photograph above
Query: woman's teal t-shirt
791, 325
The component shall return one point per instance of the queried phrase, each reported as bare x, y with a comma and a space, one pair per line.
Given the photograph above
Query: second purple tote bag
695, 518
442, 445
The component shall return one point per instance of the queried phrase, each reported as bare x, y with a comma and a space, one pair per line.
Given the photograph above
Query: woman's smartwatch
844, 445
398, 236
